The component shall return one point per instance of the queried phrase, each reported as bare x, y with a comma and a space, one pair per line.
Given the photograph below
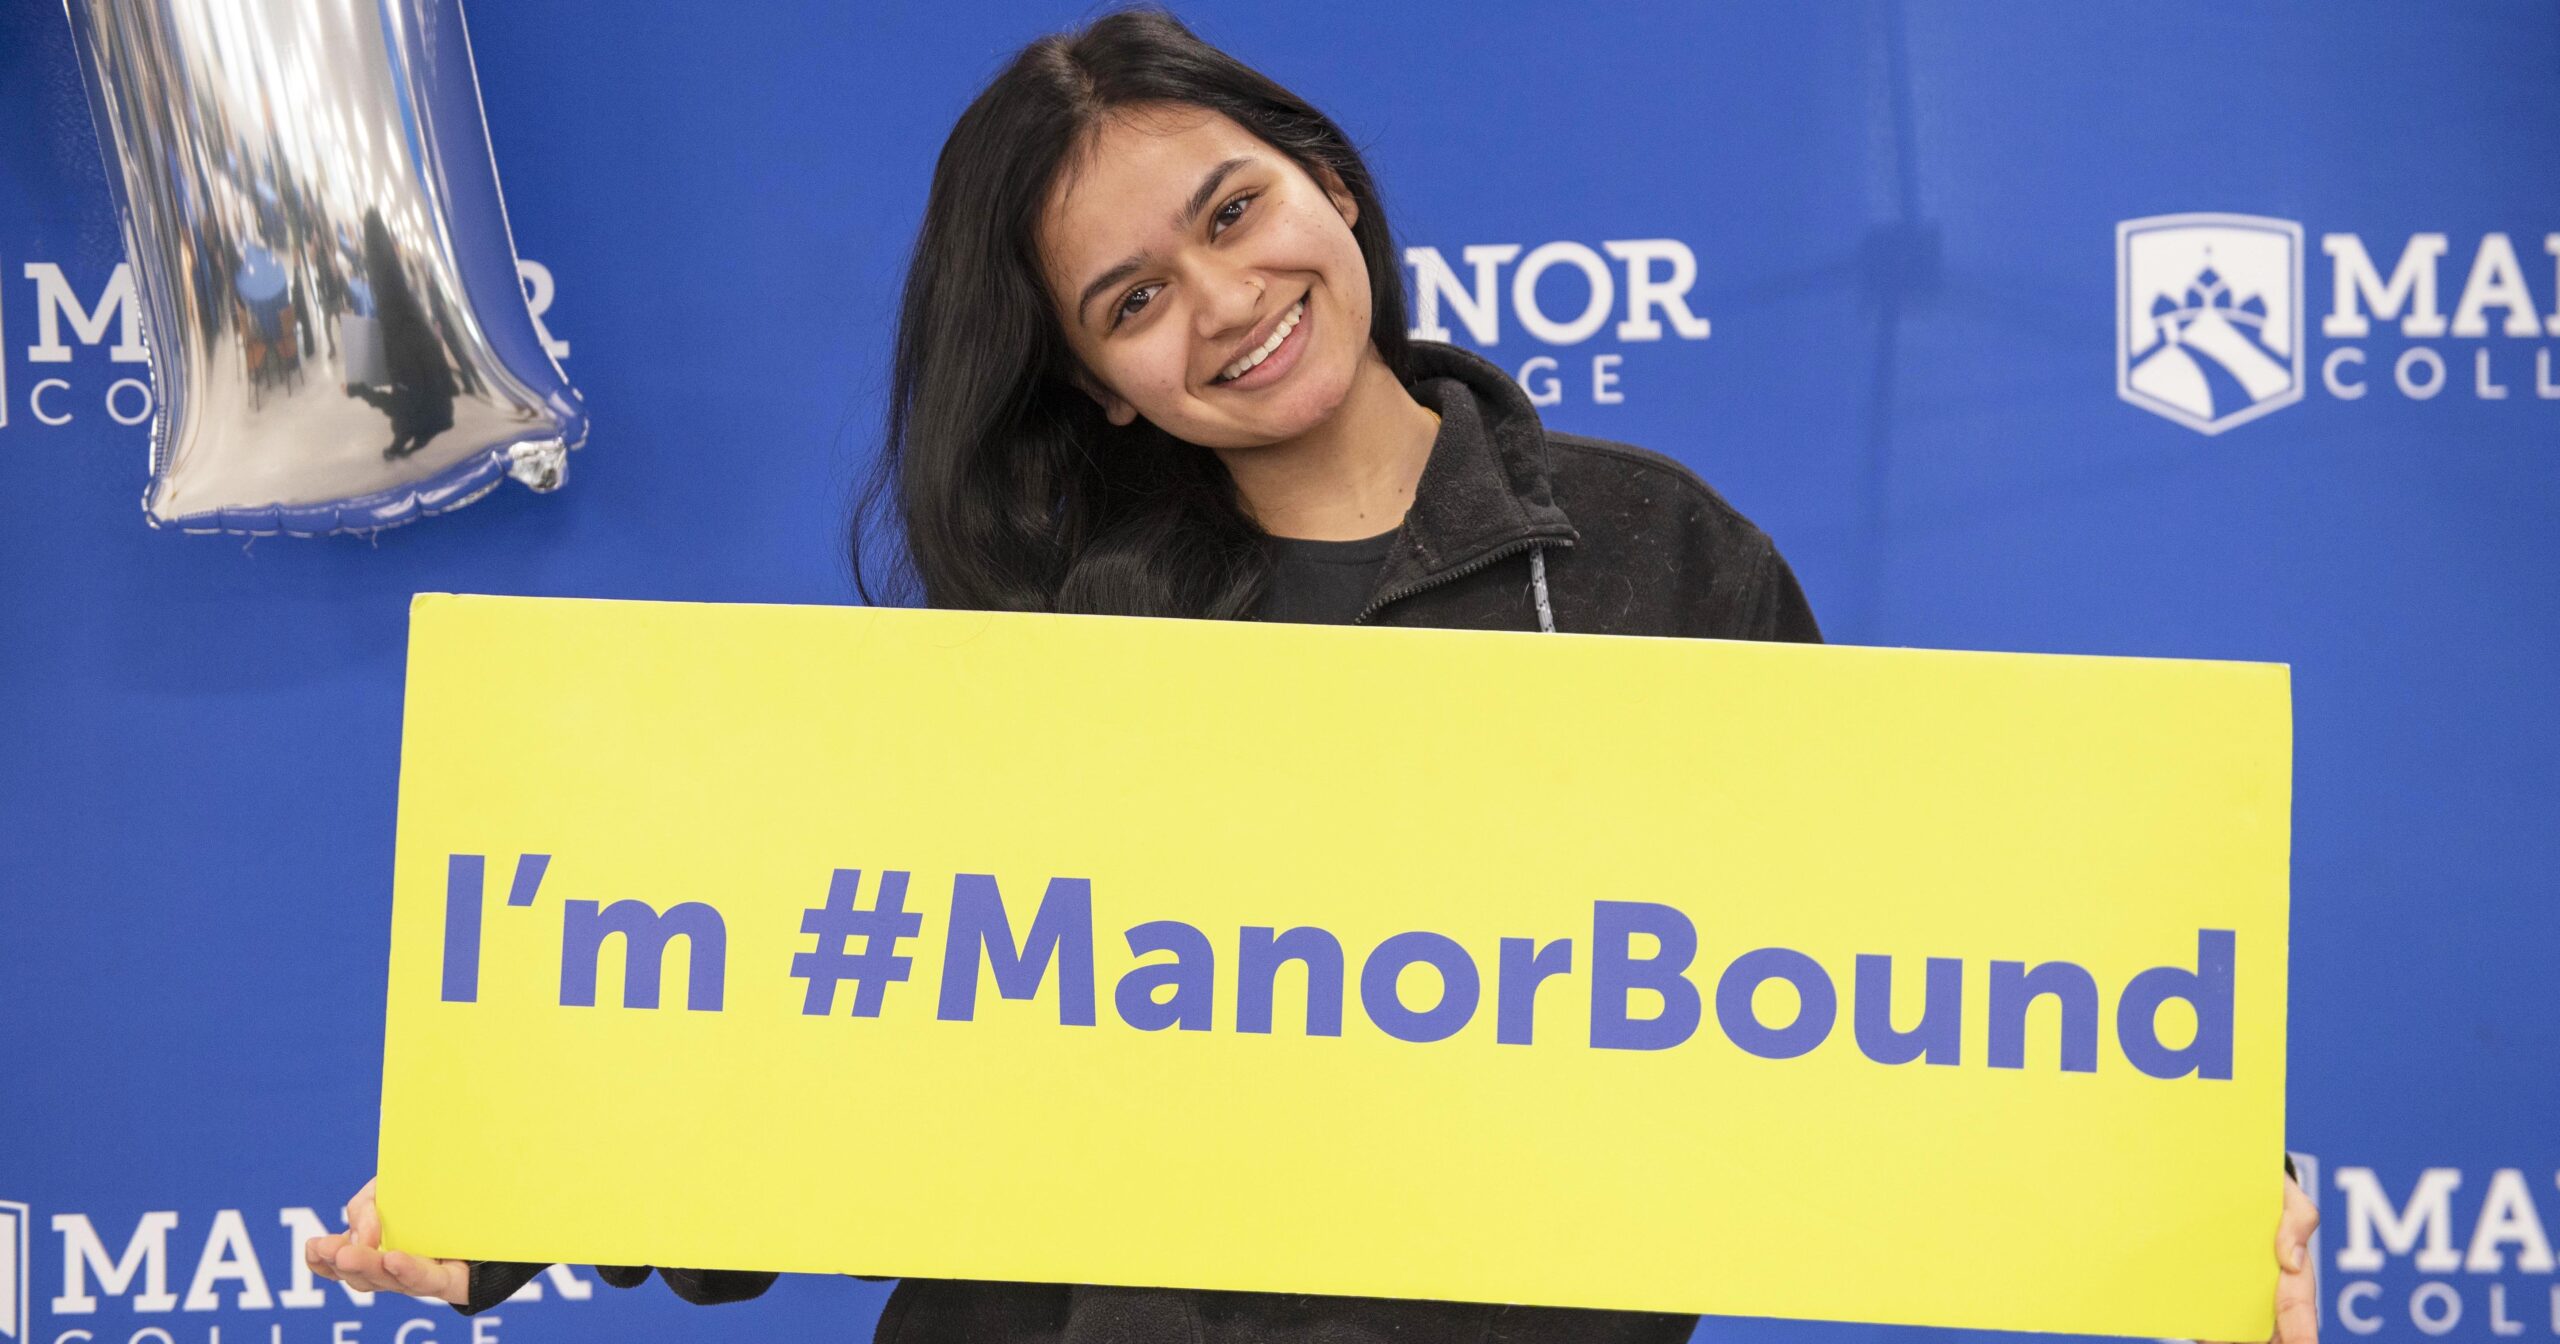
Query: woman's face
1176, 248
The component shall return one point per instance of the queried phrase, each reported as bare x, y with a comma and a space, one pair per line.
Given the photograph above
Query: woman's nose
1233, 300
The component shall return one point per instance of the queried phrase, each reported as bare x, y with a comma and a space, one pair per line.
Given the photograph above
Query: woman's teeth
1281, 333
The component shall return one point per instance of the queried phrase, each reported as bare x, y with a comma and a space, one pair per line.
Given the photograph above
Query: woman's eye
1237, 206
1129, 305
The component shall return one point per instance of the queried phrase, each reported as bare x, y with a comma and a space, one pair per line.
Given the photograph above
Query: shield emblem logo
2209, 317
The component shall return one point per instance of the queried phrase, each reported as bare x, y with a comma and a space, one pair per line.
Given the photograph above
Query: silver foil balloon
338, 337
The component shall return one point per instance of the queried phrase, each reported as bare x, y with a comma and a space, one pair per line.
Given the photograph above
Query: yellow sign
1862, 984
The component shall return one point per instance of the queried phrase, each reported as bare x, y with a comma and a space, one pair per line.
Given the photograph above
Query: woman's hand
2297, 1316
355, 1258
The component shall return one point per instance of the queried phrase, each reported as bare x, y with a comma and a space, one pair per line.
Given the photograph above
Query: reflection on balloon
328, 288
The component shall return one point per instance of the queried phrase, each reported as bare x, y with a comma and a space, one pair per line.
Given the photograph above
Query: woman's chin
1287, 413
1322, 387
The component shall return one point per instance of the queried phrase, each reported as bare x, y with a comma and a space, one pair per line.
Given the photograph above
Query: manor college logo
136, 1288
2210, 322
2209, 317
52, 396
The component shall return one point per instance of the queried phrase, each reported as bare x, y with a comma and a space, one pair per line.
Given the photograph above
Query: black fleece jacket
1633, 544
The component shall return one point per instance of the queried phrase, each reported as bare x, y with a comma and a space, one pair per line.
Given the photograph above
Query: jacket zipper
1503, 552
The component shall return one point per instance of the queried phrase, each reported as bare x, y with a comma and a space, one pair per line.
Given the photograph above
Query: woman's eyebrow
1181, 222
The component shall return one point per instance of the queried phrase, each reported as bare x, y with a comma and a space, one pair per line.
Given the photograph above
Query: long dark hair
1011, 489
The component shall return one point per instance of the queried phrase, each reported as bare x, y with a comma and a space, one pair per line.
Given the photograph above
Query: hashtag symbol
837, 923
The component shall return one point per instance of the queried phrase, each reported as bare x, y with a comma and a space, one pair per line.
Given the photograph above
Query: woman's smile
1270, 361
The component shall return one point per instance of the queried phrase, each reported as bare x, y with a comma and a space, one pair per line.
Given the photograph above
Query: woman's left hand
2297, 1316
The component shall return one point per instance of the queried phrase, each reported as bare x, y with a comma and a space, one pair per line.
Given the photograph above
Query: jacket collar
1484, 490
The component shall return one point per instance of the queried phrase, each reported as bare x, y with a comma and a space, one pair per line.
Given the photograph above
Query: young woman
1153, 361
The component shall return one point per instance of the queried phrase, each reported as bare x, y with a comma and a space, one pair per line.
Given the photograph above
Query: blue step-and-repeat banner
1928, 248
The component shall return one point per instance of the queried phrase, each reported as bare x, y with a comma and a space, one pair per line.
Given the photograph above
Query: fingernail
2293, 1260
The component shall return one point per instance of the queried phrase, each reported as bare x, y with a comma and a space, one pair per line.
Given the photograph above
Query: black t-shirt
1322, 582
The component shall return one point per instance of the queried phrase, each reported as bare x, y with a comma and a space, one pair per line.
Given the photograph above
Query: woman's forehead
1126, 182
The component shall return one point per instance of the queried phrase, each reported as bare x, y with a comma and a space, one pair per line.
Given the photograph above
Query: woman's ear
1343, 202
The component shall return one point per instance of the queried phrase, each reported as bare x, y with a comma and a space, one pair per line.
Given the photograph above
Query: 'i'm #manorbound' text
1637, 950
1359, 961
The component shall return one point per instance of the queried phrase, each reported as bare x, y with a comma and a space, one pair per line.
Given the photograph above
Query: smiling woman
1152, 360
1243, 329
1184, 336
1209, 306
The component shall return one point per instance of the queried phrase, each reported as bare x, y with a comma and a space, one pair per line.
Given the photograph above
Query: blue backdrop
1910, 231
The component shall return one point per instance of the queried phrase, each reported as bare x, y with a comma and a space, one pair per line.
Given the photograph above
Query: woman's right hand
355, 1258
